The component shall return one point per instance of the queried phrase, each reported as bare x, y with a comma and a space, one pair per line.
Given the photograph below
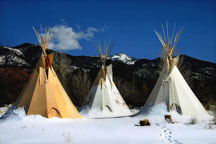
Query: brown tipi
44, 94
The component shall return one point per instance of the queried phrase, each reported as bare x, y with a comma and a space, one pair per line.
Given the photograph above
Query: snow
13, 58
149, 64
88, 112
77, 68
18, 52
74, 67
123, 58
22, 129
2, 60
209, 70
16, 60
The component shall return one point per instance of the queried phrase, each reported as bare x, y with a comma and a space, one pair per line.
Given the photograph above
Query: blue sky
129, 23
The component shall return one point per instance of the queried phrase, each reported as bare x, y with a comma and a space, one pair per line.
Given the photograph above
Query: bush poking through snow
23, 127
4, 109
210, 126
193, 121
214, 120
67, 137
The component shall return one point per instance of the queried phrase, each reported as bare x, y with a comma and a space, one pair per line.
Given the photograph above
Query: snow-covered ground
22, 129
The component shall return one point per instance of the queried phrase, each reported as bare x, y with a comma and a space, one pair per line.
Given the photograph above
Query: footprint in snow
166, 135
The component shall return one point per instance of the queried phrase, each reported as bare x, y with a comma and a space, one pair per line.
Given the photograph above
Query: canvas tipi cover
104, 95
171, 87
44, 94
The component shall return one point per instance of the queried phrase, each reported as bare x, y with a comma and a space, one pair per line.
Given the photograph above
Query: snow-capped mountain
134, 78
123, 58
12, 57
24, 54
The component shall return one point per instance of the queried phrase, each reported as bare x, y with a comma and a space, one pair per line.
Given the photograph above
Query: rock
168, 117
144, 122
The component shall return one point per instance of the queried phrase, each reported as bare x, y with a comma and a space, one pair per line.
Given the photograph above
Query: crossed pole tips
169, 44
44, 37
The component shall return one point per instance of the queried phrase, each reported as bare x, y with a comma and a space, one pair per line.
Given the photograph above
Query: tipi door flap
117, 103
62, 103
53, 112
51, 99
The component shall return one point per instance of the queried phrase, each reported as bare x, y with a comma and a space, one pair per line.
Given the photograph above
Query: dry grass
212, 124
67, 137
214, 120
211, 127
193, 121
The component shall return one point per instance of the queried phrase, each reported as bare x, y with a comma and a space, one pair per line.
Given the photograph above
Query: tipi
44, 94
104, 95
171, 86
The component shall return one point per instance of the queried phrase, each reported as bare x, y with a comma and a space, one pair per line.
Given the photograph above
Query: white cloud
90, 32
65, 38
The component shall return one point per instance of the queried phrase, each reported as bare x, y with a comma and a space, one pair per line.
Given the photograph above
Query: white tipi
104, 95
171, 87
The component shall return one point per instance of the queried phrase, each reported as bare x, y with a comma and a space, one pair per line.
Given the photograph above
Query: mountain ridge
134, 78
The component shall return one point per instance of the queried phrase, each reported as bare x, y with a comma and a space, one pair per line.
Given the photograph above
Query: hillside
134, 78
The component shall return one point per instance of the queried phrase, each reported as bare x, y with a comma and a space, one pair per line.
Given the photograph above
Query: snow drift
24, 129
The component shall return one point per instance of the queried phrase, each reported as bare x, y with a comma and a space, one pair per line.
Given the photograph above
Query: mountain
134, 78
123, 58
12, 57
